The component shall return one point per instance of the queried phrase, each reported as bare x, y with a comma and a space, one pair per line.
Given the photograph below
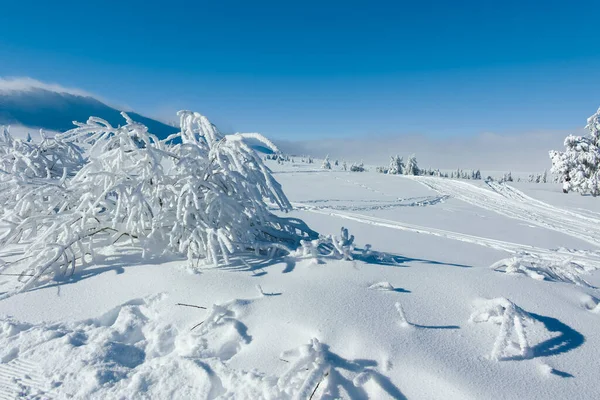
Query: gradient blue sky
321, 68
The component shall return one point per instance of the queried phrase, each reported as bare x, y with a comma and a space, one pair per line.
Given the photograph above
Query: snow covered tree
326, 164
411, 166
197, 193
507, 177
578, 167
345, 166
396, 166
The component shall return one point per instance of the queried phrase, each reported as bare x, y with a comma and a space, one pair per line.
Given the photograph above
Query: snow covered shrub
578, 167
31, 174
341, 247
396, 166
313, 372
197, 193
512, 319
543, 269
357, 167
381, 170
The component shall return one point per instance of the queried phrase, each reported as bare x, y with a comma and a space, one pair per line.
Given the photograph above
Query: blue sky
315, 69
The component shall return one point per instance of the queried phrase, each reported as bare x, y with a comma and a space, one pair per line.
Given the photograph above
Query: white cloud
20, 84
23, 84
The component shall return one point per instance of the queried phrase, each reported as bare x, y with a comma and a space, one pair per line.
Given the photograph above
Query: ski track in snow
588, 259
510, 202
369, 205
20, 379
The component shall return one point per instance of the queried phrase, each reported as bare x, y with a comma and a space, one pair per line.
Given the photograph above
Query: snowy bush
512, 321
51, 158
341, 247
578, 167
357, 167
198, 193
313, 372
543, 269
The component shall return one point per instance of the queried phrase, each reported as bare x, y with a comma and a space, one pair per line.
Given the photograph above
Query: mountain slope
42, 108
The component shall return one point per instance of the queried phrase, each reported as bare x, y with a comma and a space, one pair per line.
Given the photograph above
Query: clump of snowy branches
197, 193
578, 167
51, 158
512, 320
339, 247
313, 372
559, 270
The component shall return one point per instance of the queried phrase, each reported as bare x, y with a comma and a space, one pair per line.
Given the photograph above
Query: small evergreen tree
396, 166
411, 166
578, 167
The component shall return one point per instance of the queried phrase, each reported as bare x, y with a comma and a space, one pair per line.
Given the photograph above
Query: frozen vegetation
193, 267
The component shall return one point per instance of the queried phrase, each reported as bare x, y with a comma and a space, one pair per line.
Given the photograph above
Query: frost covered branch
560, 270
511, 318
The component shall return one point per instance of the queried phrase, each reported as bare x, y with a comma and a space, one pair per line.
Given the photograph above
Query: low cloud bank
526, 152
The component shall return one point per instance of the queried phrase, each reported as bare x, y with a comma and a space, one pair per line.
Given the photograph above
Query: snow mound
591, 303
130, 353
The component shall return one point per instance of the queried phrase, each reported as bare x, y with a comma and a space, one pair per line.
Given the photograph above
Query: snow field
333, 328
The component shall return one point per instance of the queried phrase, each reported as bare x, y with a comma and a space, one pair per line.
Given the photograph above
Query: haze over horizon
306, 71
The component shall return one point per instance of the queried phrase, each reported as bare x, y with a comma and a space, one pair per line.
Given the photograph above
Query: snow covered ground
407, 318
